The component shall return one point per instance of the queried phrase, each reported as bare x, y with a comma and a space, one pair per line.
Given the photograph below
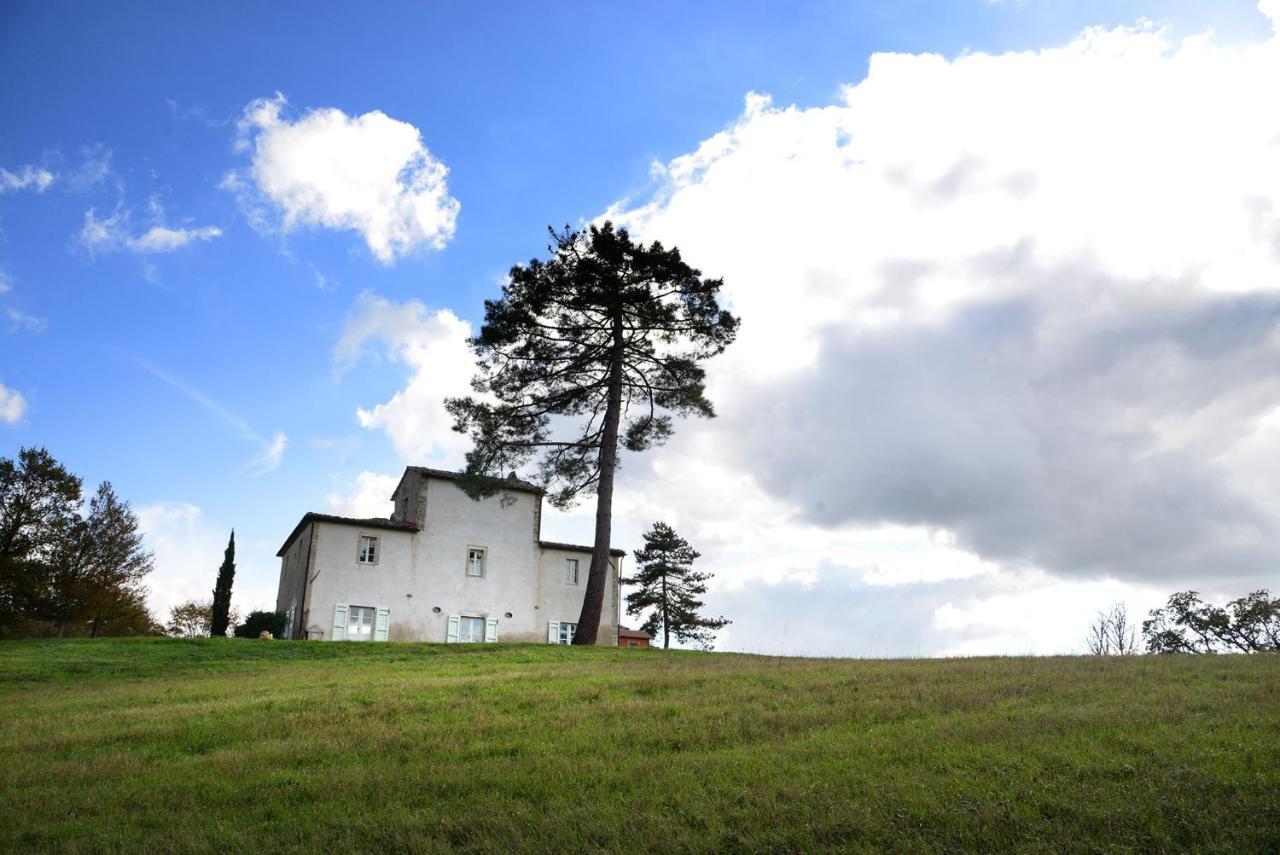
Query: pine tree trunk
593, 601
666, 615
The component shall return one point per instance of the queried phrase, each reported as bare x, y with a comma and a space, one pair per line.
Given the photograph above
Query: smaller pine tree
670, 587
221, 616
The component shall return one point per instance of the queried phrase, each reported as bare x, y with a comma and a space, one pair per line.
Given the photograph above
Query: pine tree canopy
599, 345
670, 589
550, 346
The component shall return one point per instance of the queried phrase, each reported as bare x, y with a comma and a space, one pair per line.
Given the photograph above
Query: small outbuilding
633, 637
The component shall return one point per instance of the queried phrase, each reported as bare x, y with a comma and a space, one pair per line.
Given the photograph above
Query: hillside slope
232, 745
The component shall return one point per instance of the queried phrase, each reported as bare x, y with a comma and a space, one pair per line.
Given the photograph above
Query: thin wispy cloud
112, 234
271, 451
27, 177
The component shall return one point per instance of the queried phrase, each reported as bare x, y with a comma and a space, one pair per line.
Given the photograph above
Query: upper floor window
475, 561
571, 571
368, 550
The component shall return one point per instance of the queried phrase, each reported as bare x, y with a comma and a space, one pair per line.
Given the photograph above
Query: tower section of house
442, 567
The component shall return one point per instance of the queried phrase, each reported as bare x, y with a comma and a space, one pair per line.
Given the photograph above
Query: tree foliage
1187, 624
259, 622
220, 608
194, 619
599, 345
669, 589
65, 569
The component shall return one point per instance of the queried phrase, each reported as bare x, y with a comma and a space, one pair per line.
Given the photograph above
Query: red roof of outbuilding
623, 632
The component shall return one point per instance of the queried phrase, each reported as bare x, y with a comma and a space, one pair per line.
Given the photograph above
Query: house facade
443, 567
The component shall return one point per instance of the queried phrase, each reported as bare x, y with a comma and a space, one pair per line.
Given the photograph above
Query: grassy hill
160, 745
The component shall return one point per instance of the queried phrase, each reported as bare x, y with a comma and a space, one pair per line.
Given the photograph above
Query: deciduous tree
1112, 633
194, 619
39, 501
98, 567
669, 589
1187, 624
599, 345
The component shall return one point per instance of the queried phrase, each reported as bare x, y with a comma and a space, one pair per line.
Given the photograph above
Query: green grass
214, 746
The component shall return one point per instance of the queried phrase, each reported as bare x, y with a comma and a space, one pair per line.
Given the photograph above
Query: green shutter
339, 623
491, 629
382, 625
553, 632
451, 635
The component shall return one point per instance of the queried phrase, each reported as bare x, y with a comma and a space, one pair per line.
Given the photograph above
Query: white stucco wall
419, 572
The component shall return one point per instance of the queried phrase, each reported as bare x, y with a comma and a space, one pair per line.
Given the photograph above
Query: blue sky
169, 372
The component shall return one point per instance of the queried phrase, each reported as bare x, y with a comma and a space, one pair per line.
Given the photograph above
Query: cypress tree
222, 591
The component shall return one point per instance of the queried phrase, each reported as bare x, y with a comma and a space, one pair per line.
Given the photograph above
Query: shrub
258, 622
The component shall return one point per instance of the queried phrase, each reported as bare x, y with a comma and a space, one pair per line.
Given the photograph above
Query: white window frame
373, 622
362, 555
567, 632
571, 578
471, 621
484, 561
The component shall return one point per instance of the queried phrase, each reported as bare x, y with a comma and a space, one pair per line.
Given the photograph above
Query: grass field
229, 745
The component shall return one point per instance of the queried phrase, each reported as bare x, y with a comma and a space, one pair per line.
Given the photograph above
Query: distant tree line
67, 568
1188, 624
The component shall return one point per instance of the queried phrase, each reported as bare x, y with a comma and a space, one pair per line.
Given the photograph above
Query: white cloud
368, 173
6, 282
271, 457
161, 239
112, 233
12, 405
1011, 330
23, 321
26, 178
189, 550
370, 496
432, 345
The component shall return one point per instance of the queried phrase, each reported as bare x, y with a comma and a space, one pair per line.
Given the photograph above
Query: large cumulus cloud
1026, 302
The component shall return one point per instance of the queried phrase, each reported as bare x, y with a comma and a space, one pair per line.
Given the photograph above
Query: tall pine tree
607, 333
670, 588
222, 591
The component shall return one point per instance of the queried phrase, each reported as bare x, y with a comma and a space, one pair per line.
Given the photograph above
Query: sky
1008, 275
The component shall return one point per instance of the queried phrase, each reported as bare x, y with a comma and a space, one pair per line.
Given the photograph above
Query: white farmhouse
443, 567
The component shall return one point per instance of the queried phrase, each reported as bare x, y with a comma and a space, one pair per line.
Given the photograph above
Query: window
567, 632
471, 629
360, 623
571, 571
633, 643
368, 550
475, 561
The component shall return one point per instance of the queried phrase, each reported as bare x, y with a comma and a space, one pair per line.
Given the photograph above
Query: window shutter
339, 623
451, 635
553, 632
491, 629
383, 624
